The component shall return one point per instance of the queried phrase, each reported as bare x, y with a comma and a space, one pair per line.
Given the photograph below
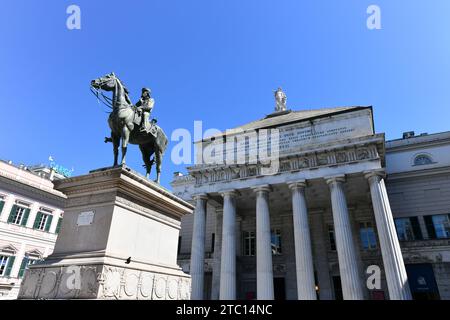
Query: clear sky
217, 61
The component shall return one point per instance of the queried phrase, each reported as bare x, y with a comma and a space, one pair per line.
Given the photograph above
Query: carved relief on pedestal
111, 280
49, 282
131, 282
29, 283
146, 285
159, 288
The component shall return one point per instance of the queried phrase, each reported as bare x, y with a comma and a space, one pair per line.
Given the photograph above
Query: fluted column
198, 248
215, 290
394, 267
306, 288
264, 268
348, 266
228, 260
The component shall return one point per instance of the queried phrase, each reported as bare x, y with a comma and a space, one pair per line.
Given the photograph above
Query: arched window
422, 159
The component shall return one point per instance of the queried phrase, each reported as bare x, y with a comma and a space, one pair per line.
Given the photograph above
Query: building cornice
418, 173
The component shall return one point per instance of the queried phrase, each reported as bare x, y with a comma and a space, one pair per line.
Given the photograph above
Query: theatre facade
313, 223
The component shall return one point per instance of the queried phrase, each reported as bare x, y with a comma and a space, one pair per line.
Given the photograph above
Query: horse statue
124, 121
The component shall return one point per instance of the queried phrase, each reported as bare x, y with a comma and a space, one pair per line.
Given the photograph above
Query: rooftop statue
130, 123
280, 100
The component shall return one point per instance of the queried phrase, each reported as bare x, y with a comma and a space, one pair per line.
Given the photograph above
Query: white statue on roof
280, 100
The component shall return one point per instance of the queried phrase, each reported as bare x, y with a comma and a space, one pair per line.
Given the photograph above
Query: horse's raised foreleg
125, 139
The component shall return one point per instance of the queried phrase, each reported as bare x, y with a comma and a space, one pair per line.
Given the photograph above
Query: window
367, 234
3, 264
438, 226
43, 221
213, 242
19, 215
408, 229
249, 243
275, 237
6, 264
26, 262
2, 203
331, 238
422, 159
58, 225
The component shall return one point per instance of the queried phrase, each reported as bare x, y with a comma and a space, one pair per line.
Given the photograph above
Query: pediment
9, 249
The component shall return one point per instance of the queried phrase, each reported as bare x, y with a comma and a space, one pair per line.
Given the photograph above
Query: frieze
107, 282
291, 163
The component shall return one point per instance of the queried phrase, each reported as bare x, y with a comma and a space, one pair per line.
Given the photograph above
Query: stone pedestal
118, 240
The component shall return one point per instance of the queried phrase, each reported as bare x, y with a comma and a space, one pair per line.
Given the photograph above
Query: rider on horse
145, 107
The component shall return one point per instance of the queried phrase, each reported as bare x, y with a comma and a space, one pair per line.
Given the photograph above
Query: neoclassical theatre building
341, 203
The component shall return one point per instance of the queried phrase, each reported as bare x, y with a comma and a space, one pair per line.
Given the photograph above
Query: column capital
299, 184
230, 192
262, 188
381, 173
202, 196
335, 179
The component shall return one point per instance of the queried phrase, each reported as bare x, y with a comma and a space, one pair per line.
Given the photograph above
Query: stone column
394, 266
217, 253
348, 266
264, 268
320, 254
228, 259
198, 248
306, 288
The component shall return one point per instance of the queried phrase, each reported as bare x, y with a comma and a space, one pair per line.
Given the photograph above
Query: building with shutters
341, 201
30, 217
418, 184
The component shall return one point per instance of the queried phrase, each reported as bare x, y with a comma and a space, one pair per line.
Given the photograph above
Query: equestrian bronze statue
130, 123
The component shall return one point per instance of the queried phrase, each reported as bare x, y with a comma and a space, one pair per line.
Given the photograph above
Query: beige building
30, 217
320, 224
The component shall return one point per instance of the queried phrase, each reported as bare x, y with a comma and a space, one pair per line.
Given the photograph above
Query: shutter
37, 220
49, 223
9, 266
23, 266
25, 217
2, 204
58, 226
416, 228
430, 227
12, 213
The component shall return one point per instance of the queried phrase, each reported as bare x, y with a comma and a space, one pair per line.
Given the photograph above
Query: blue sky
217, 61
